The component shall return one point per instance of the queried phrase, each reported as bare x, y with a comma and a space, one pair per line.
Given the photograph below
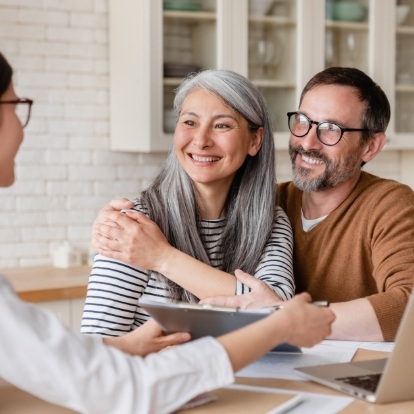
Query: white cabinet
69, 311
154, 43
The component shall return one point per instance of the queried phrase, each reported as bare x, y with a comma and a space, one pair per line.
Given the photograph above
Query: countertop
47, 283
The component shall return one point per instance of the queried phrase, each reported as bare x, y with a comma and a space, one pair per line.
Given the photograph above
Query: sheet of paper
281, 365
311, 402
375, 346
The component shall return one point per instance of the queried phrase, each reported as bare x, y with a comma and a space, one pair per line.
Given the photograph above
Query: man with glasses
353, 232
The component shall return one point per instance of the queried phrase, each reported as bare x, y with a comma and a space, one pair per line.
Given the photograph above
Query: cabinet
153, 43
68, 311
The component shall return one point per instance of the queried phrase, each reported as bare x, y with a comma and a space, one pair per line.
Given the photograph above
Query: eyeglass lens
23, 112
328, 133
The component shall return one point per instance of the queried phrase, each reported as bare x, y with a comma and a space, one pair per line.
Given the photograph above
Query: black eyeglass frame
20, 101
318, 124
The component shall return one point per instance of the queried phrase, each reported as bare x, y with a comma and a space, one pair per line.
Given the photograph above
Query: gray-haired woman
210, 211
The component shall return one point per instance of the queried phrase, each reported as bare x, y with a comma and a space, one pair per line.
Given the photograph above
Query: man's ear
374, 146
256, 142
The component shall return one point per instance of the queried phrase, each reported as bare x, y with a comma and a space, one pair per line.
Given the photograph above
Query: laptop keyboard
367, 382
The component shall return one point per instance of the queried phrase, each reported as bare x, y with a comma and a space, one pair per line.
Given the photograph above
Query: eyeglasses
327, 132
23, 108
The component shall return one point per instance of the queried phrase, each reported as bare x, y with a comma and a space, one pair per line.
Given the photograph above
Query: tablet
205, 320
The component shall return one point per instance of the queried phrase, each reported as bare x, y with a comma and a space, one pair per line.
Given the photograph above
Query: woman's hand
146, 339
261, 294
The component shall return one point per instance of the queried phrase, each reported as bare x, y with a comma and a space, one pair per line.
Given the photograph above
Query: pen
287, 406
323, 303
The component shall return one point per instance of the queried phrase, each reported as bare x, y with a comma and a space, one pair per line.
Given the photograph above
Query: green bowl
181, 5
348, 11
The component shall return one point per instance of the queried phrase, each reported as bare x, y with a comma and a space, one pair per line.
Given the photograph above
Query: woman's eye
222, 126
189, 122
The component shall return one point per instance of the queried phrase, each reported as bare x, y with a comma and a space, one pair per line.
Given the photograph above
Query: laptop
379, 380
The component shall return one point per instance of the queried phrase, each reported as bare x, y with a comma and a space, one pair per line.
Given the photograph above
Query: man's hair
376, 115
6, 73
172, 199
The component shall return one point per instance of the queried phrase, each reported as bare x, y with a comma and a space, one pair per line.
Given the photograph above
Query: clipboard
206, 320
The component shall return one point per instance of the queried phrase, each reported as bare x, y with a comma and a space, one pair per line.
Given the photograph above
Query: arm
133, 238
42, 357
260, 294
110, 307
303, 324
355, 321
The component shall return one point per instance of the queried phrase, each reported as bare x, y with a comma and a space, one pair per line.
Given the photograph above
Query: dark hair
6, 73
377, 111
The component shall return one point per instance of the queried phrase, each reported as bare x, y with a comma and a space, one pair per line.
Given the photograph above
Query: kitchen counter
47, 283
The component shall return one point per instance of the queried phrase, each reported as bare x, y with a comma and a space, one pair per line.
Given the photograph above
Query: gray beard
333, 175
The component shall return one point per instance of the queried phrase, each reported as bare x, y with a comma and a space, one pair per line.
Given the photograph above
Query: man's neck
316, 204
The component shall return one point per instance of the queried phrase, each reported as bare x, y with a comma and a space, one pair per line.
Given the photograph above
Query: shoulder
140, 206
384, 189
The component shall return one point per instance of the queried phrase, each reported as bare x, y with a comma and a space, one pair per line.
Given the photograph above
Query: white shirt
39, 355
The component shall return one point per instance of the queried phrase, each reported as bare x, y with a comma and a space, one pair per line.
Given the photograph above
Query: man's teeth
310, 160
204, 159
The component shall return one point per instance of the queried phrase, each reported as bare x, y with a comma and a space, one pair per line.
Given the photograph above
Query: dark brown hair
377, 111
6, 73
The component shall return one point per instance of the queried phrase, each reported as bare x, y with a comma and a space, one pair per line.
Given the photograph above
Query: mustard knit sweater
364, 248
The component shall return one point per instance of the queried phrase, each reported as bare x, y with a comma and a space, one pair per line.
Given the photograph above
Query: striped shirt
111, 306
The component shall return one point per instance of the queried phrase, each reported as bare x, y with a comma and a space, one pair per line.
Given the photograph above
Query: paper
281, 365
312, 402
374, 346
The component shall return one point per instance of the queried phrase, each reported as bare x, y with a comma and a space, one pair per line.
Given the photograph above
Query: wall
65, 172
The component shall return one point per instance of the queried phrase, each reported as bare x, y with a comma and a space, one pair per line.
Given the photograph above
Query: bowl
401, 13
348, 11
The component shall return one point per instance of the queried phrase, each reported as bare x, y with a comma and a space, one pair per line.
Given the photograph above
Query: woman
41, 356
214, 201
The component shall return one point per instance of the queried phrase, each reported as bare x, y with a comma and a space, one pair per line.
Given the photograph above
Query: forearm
200, 279
355, 321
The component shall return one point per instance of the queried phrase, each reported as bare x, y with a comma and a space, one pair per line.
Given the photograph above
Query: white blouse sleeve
39, 355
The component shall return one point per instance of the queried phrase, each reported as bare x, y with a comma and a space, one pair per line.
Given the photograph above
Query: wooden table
46, 283
14, 401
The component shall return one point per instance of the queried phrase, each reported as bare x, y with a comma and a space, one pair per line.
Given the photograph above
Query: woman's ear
374, 146
257, 139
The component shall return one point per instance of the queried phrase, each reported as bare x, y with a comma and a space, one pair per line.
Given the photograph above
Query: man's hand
261, 294
130, 237
146, 339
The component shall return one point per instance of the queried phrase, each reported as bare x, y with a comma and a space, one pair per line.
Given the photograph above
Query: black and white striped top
114, 287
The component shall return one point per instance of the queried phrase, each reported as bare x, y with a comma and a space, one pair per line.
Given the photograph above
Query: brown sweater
364, 248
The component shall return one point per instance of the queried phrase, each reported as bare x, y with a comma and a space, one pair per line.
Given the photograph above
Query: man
353, 232
86, 374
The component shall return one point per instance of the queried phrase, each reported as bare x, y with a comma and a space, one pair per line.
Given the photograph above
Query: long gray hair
250, 206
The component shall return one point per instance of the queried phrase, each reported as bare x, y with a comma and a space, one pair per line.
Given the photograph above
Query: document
281, 365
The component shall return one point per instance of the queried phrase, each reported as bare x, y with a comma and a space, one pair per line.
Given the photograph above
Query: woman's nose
202, 138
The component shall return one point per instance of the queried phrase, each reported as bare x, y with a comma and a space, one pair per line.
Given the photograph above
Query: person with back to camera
39, 355
353, 231
214, 201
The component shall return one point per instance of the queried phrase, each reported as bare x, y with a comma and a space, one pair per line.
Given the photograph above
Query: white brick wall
65, 172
